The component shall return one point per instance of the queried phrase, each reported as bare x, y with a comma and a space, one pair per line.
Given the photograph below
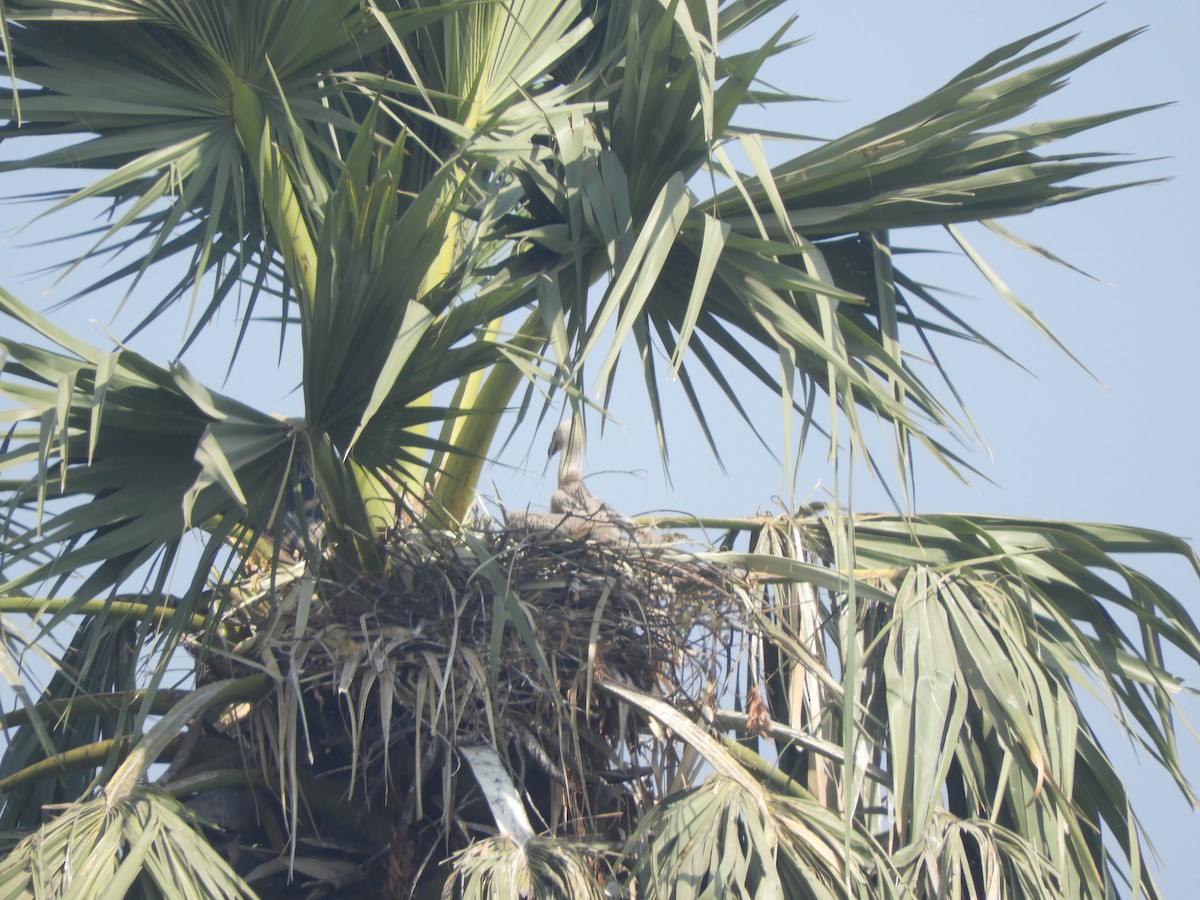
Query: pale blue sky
1061, 446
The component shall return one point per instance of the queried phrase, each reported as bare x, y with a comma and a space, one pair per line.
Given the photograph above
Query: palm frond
144, 91
502, 869
145, 845
197, 456
971, 669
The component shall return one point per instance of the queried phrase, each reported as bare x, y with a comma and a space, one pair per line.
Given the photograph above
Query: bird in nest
576, 509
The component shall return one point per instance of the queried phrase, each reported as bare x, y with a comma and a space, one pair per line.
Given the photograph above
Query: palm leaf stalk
461, 208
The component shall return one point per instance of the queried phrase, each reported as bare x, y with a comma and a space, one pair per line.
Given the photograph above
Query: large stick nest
476, 637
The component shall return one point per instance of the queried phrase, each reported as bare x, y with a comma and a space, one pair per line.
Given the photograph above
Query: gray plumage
572, 496
578, 509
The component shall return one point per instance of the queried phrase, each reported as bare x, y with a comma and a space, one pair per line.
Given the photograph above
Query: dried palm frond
133, 847
500, 868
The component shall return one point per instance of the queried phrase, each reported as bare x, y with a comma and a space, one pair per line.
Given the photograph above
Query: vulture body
575, 508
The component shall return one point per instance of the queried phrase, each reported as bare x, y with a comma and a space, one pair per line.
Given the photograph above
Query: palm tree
461, 212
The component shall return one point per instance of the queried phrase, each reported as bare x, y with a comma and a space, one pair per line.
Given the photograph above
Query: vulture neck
570, 458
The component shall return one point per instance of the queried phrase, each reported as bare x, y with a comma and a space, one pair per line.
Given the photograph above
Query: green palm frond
969, 674
720, 840
770, 264
936, 162
732, 836
197, 456
137, 456
792, 262
156, 94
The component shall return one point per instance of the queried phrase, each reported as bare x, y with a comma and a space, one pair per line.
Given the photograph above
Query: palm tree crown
458, 212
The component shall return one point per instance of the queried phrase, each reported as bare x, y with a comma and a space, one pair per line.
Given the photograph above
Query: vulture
573, 496
579, 509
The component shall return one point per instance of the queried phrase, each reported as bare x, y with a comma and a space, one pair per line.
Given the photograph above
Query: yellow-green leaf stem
416, 474
457, 481
66, 708
466, 395
118, 609
131, 772
283, 211
77, 759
